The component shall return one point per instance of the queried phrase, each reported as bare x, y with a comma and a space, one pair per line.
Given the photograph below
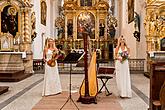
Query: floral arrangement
123, 56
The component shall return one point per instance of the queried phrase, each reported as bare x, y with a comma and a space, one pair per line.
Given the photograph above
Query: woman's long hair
47, 43
119, 42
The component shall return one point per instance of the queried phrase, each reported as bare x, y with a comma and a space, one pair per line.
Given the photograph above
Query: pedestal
15, 66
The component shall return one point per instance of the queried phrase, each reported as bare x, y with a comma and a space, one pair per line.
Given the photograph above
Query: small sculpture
137, 27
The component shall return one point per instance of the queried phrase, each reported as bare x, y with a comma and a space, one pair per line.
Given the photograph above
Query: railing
38, 65
136, 65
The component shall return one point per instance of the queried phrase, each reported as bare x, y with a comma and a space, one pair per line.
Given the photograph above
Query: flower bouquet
124, 56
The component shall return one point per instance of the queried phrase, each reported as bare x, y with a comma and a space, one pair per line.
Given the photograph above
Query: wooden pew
157, 79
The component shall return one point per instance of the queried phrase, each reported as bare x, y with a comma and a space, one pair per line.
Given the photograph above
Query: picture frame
43, 12
130, 11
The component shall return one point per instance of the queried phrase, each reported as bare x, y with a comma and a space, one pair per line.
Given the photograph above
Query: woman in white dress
52, 84
122, 69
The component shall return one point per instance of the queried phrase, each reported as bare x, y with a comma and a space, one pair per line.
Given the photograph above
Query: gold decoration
33, 26
12, 11
59, 22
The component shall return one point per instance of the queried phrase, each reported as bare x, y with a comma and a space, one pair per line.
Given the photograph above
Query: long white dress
51, 84
123, 77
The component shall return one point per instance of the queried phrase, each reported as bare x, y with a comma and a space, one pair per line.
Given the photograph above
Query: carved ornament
70, 5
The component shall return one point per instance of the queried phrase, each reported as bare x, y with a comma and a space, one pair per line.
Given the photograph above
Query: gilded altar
93, 15
16, 21
155, 24
155, 28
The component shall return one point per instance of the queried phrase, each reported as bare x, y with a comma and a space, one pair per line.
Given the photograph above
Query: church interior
80, 28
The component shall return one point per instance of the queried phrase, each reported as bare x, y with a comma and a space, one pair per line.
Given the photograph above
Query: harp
92, 81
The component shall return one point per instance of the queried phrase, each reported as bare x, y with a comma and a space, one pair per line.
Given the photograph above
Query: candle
14, 40
18, 41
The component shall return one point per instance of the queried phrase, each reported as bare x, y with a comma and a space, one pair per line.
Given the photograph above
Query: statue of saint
137, 22
60, 31
101, 29
112, 31
13, 25
70, 29
137, 27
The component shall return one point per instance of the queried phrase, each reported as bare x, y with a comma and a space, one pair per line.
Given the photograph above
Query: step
12, 73
15, 79
11, 62
11, 68
11, 65
3, 89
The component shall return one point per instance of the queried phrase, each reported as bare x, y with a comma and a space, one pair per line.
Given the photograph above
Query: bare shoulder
116, 49
45, 49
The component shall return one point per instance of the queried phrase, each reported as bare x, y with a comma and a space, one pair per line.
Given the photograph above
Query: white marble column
22, 25
74, 27
123, 18
55, 15
27, 37
66, 27
97, 24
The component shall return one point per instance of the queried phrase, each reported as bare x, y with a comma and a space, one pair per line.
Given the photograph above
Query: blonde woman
52, 84
122, 53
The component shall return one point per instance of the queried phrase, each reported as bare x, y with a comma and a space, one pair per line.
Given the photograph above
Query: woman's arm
116, 54
116, 51
56, 52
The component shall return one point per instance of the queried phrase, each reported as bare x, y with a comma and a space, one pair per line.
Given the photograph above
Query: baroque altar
16, 35
155, 31
95, 16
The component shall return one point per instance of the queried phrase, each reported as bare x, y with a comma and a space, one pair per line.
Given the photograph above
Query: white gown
51, 84
123, 77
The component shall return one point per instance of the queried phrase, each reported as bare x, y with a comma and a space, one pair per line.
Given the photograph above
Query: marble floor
25, 94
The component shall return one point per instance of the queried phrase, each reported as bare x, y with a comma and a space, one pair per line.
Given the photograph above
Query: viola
52, 62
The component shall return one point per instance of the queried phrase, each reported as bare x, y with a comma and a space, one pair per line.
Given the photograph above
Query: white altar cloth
23, 53
157, 55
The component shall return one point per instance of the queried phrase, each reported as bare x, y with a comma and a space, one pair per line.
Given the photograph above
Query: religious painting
60, 24
101, 28
86, 23
9, 20
130, 11
43, 12
86, 3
